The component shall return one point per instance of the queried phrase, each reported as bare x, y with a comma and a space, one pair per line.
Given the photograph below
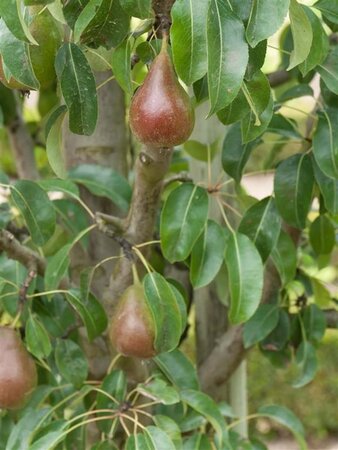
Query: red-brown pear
161, 114
132, 330
18, 376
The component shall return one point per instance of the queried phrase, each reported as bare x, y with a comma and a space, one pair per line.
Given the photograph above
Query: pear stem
136, 278
164, 47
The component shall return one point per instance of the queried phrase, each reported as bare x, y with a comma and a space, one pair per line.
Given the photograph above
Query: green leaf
328, 70
197, 442
64, 186
201, 151
8, 111
251, 129
328, 8
37, 2
182, 221
102, 22
236, 111
178, 369
320, 44
78, 88
242, 9
300, 90
188, 39
15, 56
256, 59
328, 188
159, 438
36, 208
91, 312
322, 235
85, 17
137, 8
172, 429
293, 189
257, 93
260, 325
306, 361
138, 442
37, 339
54, 141
321, 294
325, 142
314, 322
284, 127
301, 34
227, 54
279, 336
235, 154
121, 65
245, 271
5, 215
160, 391
71, 361
266, 17
115, 385
57, 268
204, 405
285, 417
284, 257
207, 255
51, 439
104, 182
12, 13
262, 224
72, 218
200, 88
21, 434
166, 312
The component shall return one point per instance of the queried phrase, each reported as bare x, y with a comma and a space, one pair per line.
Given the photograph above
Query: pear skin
18, 375
132, 329
161, 114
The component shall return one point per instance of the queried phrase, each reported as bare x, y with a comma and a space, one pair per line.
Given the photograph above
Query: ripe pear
161, 114
132, 330
18, 375
48, 34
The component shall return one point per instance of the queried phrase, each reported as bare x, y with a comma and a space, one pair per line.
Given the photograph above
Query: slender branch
116, 222
31, 275
184, 177
20, 253
27, 257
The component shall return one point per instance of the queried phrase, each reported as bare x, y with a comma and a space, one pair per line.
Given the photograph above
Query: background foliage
268, 264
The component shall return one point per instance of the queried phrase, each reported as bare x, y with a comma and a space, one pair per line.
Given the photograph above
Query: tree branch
24, 255
20, 253
22, 146
150, 169
222, 361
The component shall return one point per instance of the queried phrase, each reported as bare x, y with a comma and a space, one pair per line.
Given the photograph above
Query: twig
31, 275
24, 255
125, 245
116, 222
184, 177
20, 253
